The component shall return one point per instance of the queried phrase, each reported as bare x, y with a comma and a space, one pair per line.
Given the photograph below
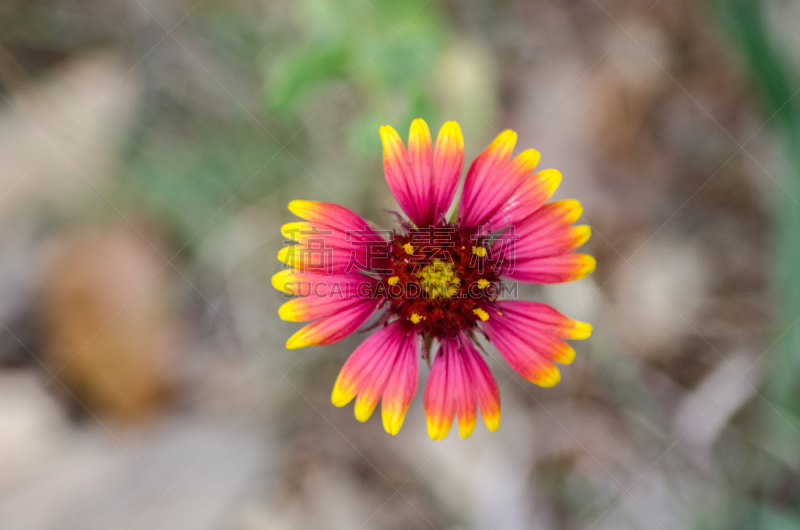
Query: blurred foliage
384, 50
197, 151
767, 68
777, 86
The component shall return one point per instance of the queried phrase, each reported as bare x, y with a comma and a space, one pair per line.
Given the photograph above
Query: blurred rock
20, 271
58, 134
108, 323
178, 476
659, 293
32, 425
625, 90
708, 408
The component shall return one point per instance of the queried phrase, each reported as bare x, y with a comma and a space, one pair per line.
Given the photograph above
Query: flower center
443, 280
439, 279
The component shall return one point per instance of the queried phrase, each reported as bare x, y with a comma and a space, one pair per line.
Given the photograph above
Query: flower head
438, 282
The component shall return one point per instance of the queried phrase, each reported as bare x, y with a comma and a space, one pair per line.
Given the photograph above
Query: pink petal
547, 232
464, 392
402, 386
332, 240
380, 366
406, 187
331, 215
420, 158
555, 269
492, 179
439, 398
528, 334
423, 179
531, 195
335, 327
460, 381
319, 294
448, 163
487, 393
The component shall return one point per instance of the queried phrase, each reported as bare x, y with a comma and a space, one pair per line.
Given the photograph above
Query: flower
436, 282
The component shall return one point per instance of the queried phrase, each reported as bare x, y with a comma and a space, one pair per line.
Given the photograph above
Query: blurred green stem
745, 23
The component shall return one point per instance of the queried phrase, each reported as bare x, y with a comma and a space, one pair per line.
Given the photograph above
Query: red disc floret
441, 279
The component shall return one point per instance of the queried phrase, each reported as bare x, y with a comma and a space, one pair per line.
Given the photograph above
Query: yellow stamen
408, 248
483, 284
415, 318
479, 251
393, 280
439, 279
483, 315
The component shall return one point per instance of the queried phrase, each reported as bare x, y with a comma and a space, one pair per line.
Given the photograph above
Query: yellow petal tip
581, 235
588, 267
466, 430
294, 231
530, 157
582, 330
438, 431
387, 132
284, 257
297, 341
492, 422
299, 207
572, 209
507, 136
566, 355
294, 310
451, 132
419, 124
281, 281
551, 176
392, 424
547, 378
339, 397
363, 410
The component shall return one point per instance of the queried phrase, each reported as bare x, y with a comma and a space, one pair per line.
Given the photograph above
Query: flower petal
448, 163
555, 269
320, 295
439, 398
492, 179
422, 179
527, 198
333, 239
487, 393
308, 308
464, 390
331, 215
335, 326
402, 386
403, 183
460, 381
379, 361
528, 335
547, 232
356, 371
420, 158
300, 282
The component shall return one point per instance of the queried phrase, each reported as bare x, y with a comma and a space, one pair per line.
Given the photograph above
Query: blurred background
148, 150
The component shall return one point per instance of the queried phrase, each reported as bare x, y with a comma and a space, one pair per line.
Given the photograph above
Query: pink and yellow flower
435, 285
